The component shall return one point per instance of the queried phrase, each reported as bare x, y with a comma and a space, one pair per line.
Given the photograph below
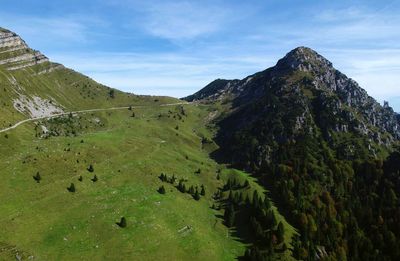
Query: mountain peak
304, 59
15, 53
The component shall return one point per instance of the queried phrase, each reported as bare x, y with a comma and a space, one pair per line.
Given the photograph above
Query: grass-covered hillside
44, 217
32, 86
62, 89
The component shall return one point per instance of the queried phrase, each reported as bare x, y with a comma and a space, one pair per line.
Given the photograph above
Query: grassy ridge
64, 87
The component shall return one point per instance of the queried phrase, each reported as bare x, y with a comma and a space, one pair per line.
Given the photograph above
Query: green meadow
45, 221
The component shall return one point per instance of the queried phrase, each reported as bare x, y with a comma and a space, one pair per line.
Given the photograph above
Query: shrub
94, 179
111, 93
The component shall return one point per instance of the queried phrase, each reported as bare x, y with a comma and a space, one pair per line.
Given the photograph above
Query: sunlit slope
62, 88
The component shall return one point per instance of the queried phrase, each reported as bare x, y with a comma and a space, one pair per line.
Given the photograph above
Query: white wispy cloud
217, 39
165, 74
183, 20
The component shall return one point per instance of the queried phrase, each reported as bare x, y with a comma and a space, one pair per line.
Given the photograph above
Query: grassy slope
128, 154
67, 88
50, 223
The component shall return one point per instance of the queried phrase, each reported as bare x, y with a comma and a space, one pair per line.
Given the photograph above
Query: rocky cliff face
303, 94
15, 53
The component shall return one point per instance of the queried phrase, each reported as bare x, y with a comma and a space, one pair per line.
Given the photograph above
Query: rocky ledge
15, 54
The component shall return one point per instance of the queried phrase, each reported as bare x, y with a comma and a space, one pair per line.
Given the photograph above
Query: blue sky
177, 47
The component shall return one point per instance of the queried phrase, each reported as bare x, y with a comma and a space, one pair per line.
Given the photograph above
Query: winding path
85, 111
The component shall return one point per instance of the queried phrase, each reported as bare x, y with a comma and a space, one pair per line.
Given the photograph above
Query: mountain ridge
306, 73
323, 147
33, 86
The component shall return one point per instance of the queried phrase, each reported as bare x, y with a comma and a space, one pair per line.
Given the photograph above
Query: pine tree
130, 107
181, 186
271, 219
133, 115
234, 183
161, 190
280, 232
94, 179
37, 177
267, 203
80, 178
163, 177
71, 188
230, 196
122, 223
191, 190
196, 195
255, 199
203, 191
229, 215
90, 168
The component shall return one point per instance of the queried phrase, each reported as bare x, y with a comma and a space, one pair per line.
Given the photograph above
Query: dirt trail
85, 111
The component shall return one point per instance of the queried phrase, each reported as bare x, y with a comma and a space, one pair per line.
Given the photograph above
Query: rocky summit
15, 53
325, 98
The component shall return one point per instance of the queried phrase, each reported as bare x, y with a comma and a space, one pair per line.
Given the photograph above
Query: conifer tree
267, 203
203, 191
163, 177
37, 177
122, 223
280, 232
230, 196
196, 195
94, 179
181, 186
90, 168
71, 188
161, 190
229, 215
255, 199
191, 190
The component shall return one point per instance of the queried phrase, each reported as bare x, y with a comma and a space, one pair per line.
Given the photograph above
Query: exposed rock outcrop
15, 54
315, 94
